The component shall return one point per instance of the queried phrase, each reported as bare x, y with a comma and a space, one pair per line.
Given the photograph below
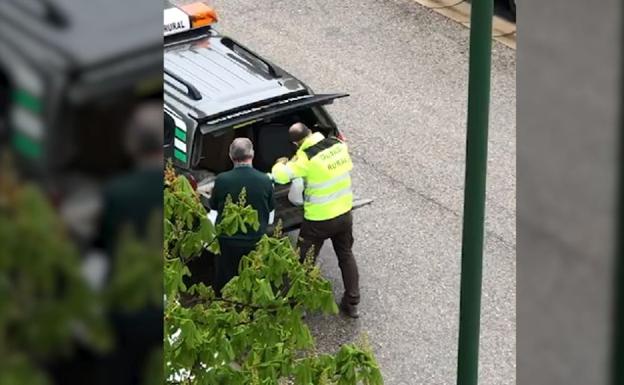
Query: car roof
213, 75
89, 32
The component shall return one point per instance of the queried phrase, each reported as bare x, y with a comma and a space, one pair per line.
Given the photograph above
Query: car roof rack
192, 92
231, 44
52, 13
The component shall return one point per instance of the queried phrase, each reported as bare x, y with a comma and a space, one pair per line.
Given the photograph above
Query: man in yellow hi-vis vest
325, 165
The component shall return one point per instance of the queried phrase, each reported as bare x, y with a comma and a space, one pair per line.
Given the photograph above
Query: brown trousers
340, 231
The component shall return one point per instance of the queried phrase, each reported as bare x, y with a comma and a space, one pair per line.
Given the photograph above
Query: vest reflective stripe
319, 200
334, 187
329, 210
327, 191
330, 182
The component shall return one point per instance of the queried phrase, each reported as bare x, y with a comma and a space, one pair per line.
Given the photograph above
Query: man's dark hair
298, 132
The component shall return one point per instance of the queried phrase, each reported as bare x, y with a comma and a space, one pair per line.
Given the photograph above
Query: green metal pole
617, 350
474, 191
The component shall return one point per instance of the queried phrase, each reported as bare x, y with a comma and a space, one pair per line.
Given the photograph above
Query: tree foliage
47, 307
45, 303
255, 333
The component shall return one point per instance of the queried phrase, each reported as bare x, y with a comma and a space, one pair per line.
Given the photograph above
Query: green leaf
255, 334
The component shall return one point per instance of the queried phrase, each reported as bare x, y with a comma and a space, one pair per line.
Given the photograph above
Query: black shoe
349, 310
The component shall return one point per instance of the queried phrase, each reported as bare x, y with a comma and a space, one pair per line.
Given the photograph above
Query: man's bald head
298, 132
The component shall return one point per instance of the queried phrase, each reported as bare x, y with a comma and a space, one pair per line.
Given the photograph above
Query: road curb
503, 30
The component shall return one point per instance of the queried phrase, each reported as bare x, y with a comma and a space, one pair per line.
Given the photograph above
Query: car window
169, 129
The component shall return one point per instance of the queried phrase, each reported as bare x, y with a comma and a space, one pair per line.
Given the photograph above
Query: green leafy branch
254, 333
45, 303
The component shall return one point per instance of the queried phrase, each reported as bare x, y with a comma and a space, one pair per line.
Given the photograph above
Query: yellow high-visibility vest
325, 166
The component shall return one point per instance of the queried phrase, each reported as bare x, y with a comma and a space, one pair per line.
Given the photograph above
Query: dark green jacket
259, 195
131, 200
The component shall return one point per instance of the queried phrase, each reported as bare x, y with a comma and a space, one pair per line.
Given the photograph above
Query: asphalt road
406, 69
569, 134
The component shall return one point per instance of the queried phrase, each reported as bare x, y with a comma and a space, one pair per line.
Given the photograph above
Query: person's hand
282, 160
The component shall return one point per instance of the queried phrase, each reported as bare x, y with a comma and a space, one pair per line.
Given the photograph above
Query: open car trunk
267, 128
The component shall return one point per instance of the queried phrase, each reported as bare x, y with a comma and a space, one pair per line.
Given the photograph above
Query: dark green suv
70, 74
216, 89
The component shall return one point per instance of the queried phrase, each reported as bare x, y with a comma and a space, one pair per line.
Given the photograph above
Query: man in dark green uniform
134, 199
259, 189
